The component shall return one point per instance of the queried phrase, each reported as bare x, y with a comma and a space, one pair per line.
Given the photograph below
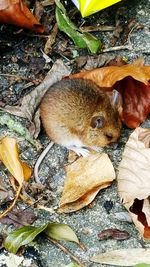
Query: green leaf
81, 39
60, 231
26, 234
22, 236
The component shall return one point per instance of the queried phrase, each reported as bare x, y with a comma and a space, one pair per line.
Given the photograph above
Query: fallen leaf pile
16, 12
134, 179
84, 179
132, 82
10, 157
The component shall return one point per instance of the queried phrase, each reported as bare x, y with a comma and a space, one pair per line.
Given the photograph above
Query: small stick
16, 77
39, 161
101, 28
12, 204
117, 48
67, 251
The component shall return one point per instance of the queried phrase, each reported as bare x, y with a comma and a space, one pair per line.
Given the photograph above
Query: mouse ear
115, 99
98, 122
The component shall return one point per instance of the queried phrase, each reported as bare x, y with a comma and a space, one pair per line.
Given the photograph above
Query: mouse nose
109, 136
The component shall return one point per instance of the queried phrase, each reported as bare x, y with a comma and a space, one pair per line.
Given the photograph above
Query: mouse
79, 115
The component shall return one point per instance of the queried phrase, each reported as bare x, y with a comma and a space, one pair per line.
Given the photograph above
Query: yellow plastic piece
88, 7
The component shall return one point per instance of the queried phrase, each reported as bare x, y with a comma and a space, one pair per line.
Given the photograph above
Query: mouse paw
80, 151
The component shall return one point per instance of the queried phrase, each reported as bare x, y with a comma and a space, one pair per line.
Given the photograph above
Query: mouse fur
77, 114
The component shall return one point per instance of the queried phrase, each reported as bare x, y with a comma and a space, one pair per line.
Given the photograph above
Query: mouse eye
98, 122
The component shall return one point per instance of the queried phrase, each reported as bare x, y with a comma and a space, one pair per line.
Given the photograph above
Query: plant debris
23, 17
20, 170
114, 234
134, 169
19, 218
85, 178
123, 257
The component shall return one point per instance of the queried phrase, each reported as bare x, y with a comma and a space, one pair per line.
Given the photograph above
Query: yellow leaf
85, 178
27, 171
10, 158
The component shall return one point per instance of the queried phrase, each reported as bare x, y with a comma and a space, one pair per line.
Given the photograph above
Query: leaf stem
12, 204
67, 251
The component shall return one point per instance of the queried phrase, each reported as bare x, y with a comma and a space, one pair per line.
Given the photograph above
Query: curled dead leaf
133, 83
108, 76
85, 178
134, 179
16, 12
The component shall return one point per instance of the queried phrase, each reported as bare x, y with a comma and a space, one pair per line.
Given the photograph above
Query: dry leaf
84, 178
123, 257
51, 40
108, 76
31, 101
91, 62
134, 179
114, 234
19, 218
132, 81
10, 157
22, 18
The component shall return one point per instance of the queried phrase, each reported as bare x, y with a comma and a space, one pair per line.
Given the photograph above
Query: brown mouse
77, 114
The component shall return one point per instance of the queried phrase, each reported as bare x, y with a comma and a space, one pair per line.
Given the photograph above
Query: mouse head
104, 126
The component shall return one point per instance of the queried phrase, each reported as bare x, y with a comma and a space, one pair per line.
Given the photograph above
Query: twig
16, 77
13, 203
117, 48
67, 251
97, 28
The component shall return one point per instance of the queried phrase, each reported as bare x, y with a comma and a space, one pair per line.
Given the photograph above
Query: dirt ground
21, 55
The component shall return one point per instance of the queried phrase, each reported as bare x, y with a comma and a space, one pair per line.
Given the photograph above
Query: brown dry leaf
16, 12
51, 40
19, 218
84, 179
31, 101
38, 10
123, 257
108, 76
91, 62
133, 83
47, 2
10, 157
134, 179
